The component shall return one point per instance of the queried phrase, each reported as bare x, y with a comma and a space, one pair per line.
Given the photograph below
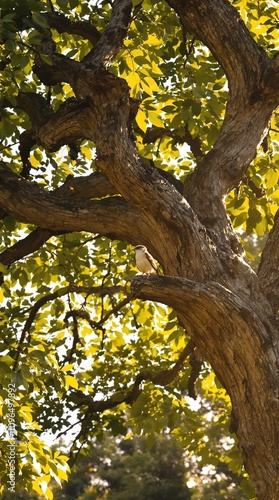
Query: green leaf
39, 20
10, 223
47, 59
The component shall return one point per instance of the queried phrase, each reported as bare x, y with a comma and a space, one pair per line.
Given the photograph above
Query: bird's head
140, 247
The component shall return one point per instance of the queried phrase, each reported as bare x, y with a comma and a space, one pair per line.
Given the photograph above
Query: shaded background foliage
124, 469
69, 325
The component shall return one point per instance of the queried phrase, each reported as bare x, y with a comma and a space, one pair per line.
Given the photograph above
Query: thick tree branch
95, 185
178, 292
62, 69
107, 124
226, 35
230, 332
93, 118
81, 28
92, 186
254, 95
106, 48
90, 116
112, 38
35, 105
25, 246
111, 216
166, 209
69, 123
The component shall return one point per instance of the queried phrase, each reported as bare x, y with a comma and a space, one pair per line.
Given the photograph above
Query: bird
144, 260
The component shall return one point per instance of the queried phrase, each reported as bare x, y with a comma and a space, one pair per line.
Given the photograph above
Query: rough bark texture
229, 311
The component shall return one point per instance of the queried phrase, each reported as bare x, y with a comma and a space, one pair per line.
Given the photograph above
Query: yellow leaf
71, 382
26, 408
152, 83
62, 474
130, 62
133, 81
49, 494
87, 152
67, 367
45, 478
137, 52
146, 87
64, 458
130, 435
36, 487
156, 69
68, 89
46, 469
141, 120
25, 415
153, 40
155, 119
7, 359
60, 335
34, 162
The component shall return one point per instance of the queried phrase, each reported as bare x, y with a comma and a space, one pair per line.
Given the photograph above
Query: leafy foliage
129, 468
70, 328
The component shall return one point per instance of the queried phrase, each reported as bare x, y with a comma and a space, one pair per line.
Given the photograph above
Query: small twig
196, 362
258, 191
59, 293
26, 329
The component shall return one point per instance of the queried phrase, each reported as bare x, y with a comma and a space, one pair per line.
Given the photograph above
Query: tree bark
226, 308
239, 337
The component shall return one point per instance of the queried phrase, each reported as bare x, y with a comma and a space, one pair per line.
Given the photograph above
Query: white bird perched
144, 261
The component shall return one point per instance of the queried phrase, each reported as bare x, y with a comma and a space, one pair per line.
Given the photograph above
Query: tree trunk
226, 308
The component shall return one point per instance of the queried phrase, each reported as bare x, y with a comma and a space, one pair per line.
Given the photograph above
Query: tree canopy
127, 123
129, 469
124, 469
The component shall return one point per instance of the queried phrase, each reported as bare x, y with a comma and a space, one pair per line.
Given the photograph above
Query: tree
97, 101
148, 474
129, 469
